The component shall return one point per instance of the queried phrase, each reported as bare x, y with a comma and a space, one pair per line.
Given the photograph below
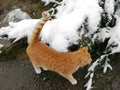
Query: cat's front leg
37, 70
71, 79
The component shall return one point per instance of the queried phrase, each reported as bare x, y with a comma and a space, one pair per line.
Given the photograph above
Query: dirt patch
110, 80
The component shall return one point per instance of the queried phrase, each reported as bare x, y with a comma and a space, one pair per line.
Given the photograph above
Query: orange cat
43, 56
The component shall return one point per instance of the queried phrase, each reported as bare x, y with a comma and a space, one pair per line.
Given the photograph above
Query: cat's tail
39, 26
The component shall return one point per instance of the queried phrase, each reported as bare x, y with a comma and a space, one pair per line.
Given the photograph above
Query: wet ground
20, 75
110, 80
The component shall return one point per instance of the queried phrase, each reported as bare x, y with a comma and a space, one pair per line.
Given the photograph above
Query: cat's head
85, 56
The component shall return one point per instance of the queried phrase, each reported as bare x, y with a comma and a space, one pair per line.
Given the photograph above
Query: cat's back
41, 50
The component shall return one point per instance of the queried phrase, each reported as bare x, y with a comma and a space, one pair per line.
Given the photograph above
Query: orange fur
43, 56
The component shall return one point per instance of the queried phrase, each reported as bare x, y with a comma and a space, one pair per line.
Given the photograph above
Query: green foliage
13, 51
37, 5
39, 8
73, 47
99, 48
83, 41
106, 22
51, 76
36, 15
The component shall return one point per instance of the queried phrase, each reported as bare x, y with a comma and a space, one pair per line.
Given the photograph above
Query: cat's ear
85, 48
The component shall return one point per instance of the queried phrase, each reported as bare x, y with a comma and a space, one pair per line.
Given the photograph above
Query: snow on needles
71, 14
62, 31
109, 6
48, 1
115, 36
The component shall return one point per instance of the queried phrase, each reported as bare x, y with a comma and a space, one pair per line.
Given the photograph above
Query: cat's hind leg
37, 70
36, 67
44, 68
71, 79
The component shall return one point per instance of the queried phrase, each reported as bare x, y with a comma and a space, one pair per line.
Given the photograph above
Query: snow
48, 1
1, 47
113, 34
20, 29
69, 19
106, 65
89, 83
64, 27
17, 29
90, 9
118, 12
103, 34
109, 7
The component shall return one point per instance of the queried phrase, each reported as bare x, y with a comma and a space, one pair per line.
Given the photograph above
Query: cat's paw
74, 82
38, 70
45, 69
72, 79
